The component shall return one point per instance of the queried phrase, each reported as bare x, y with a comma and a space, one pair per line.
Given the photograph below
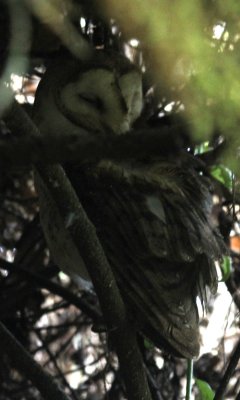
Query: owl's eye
92, 100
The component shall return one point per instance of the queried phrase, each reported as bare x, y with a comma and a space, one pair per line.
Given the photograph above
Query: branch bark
28, 146
84, 236
115, 314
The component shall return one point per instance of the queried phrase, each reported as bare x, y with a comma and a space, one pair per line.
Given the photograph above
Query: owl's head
103, 96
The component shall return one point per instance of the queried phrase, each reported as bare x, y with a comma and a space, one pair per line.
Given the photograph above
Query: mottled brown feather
162, 250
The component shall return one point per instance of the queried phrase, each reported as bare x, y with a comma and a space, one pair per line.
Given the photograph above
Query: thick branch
23, 362
84, 236
28, 146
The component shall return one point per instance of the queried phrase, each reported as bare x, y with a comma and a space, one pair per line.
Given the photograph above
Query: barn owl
152, 216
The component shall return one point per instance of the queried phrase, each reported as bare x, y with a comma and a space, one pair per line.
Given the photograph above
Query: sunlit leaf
202, 148
223, 174
226, 268
205, 391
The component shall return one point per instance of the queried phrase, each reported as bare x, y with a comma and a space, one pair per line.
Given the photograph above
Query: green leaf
205, 391
226, 268
202, 148
148, 345
223, 174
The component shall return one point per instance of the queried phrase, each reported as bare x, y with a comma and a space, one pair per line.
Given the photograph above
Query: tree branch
40, 281
28, 146
85, 239
228, 373
23, 362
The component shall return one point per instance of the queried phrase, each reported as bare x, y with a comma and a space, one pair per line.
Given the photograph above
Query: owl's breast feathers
155, 226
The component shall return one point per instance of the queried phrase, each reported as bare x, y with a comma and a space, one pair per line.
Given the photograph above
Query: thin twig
189, 379
23, 362
228, 373
53, 287
53, 359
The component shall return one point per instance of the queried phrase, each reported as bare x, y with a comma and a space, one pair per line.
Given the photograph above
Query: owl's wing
155, 227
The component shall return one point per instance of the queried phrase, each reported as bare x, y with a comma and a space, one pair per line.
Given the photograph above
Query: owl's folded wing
156, 230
